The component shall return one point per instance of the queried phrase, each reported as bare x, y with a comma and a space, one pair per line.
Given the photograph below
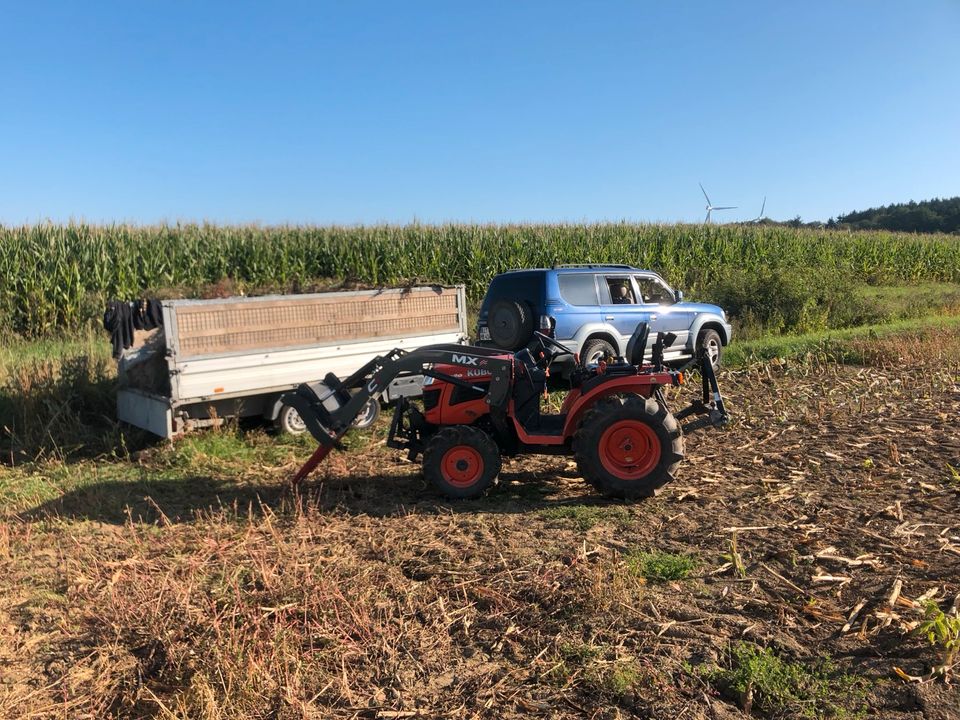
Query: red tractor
480, 404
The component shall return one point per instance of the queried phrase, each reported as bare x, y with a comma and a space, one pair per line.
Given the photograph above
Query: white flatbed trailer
235, 357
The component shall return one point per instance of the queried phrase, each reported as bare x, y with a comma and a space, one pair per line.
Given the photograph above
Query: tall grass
57, 276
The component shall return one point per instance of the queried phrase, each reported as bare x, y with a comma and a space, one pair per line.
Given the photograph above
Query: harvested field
188, 583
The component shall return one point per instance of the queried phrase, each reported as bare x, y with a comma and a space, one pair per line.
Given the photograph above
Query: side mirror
678, 294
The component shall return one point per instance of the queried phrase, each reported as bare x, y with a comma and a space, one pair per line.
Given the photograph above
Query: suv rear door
580, 306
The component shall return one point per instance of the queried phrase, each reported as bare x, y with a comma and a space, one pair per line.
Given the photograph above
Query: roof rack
594, 265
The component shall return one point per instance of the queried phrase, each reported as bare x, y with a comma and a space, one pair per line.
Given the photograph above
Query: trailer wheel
627, 448
368, 415
461, 461
289, 421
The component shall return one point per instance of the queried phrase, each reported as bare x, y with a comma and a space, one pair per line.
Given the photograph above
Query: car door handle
608, 317
653, 317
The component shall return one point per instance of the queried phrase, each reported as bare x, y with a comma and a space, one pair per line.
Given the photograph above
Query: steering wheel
550, 349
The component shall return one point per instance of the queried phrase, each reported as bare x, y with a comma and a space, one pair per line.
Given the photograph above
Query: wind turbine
759, 217
763, 207
711, 207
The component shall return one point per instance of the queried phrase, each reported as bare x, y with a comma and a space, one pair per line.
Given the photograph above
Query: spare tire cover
510, 323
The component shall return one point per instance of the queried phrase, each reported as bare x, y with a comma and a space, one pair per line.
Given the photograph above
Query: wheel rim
367, 415
461, 466
629, 449
713, 351
596, 357
294, 422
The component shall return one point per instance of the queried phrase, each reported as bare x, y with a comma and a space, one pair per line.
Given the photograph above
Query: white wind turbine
711, 207
759, 217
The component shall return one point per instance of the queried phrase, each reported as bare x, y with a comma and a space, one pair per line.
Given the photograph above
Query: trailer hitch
710, 406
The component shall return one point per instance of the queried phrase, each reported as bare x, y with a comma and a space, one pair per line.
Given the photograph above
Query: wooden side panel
277, 323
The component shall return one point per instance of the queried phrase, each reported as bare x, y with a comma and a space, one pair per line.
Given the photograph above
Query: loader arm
330, 414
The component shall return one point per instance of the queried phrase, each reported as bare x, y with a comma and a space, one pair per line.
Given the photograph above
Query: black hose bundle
122, 318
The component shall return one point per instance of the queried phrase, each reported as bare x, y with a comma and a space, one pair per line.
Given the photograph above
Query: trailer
236, 357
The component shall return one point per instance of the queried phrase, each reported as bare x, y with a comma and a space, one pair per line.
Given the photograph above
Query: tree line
928, 216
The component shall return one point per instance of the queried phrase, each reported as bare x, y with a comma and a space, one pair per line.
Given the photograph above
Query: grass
896, 302
761, 680
657, 566
585, 517
834, 345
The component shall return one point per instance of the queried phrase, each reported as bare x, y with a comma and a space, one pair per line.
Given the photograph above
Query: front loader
480, 404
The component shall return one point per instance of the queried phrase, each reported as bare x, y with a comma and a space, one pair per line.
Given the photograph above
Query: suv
594, 309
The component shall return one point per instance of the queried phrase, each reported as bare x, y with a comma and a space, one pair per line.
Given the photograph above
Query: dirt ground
366, 595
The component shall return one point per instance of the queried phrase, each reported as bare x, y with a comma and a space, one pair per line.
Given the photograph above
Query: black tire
289, 421
711, 341
510, 323
461, 461
615, 426
595, 350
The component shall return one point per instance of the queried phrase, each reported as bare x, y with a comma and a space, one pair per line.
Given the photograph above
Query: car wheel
593, 351
709, 341
510, 323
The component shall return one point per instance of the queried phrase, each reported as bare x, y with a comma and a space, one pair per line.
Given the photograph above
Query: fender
641, 385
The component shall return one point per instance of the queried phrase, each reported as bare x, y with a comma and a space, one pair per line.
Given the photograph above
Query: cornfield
56, 277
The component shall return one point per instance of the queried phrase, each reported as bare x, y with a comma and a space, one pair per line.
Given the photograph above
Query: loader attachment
329, 408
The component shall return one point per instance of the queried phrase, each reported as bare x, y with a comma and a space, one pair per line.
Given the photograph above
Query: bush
787, 300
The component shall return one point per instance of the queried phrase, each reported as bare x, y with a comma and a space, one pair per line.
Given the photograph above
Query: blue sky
354, 112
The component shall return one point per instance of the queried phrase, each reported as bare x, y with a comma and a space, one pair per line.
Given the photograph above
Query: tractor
481, 404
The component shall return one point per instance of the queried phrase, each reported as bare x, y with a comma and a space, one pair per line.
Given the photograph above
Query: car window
579, 289
619, 290
654, 291
525, 286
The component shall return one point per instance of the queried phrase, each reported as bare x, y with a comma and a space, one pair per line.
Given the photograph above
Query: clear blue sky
486, 111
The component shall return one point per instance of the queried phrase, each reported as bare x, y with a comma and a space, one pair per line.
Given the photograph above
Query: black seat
637, 345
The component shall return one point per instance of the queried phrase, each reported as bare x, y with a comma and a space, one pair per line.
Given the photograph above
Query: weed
661, 566
617, 679
588, 516
942, 630
954, 476
760, 679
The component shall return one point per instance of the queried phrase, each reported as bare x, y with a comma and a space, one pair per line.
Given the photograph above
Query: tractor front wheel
461, 461
627, 448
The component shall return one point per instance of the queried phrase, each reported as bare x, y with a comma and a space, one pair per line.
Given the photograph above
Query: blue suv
594, 309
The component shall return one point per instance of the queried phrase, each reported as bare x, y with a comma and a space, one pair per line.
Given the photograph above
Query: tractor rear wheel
461, 461
628, 447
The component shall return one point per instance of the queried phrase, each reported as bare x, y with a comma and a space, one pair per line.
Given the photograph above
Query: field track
369, 597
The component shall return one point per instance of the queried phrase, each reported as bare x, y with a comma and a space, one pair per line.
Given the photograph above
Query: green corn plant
49, 273
942, 630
